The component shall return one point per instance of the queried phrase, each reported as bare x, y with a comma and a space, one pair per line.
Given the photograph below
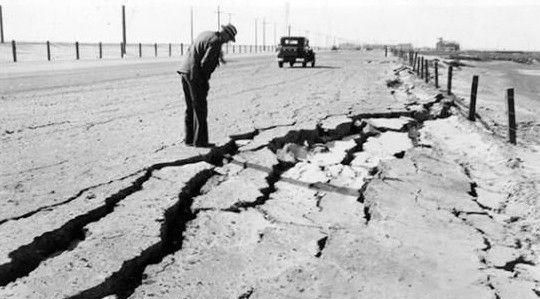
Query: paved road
68, 129
335, 195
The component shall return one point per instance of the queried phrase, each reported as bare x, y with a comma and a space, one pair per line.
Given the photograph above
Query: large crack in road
302, 155
28, 257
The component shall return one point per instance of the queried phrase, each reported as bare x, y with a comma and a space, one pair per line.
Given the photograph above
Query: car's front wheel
313, 63
280, 64
291, 63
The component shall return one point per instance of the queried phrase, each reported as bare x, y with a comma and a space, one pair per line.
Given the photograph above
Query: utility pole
218, 18
123, 30
1, 26
191, 18
264, 33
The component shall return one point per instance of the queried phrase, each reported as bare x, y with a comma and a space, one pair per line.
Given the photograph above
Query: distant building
404, 47
446, 46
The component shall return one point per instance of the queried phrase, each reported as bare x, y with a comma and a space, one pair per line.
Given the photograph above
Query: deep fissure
28, 257
124, 281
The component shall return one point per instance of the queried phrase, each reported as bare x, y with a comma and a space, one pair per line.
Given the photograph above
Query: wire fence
62, 51
420, 66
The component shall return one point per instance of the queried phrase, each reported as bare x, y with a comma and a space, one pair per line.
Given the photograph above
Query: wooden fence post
436, 74
155, 49
385, 51
14, 50
472, 104
170, 49
233, 49
449, 81
418, 66
512, 128
182, 49
422, 68
48, 51
140, 50
427, 71
77, 50
100, 50
415, 60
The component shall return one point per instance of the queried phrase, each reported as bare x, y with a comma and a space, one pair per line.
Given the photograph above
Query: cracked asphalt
326, 183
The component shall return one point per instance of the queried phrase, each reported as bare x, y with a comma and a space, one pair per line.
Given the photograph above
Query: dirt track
325, 184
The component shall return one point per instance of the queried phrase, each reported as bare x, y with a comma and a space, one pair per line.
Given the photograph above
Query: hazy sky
478, 24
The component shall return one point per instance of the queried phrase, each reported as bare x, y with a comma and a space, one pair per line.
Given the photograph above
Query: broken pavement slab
393, 124
133, 231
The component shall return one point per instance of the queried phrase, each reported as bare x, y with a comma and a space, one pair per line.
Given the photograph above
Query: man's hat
231, 31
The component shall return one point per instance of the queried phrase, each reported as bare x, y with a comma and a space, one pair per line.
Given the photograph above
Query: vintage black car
294, 49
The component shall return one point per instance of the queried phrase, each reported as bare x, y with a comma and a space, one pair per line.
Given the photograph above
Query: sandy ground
495, 78
326, 183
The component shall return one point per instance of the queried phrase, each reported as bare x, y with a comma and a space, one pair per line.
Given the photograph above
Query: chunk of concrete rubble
334, 121
307, 173
261, 158
337, 151
393, 124
241, 188
440, 109
388, 144
369, 130
383, 147
292, 153
242, 142
347, 176
365, 160
340, 125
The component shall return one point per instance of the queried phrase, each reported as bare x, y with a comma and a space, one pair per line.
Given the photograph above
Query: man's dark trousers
196, 126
